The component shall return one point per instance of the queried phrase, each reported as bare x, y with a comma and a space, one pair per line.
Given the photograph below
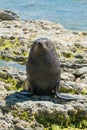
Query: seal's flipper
63, 97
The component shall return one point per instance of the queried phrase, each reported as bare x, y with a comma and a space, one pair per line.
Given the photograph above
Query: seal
43, 70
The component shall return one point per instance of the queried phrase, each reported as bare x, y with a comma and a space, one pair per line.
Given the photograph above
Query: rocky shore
18, 112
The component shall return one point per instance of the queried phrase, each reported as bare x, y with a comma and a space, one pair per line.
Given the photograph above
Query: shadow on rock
15, 98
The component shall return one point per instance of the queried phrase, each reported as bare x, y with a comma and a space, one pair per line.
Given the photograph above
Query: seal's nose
39, 43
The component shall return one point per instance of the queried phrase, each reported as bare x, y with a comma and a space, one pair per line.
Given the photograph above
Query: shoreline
18, 28
69, 15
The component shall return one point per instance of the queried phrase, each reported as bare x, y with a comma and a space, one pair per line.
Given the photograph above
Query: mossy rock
12, 83
13, 46
62, 122
8, 43
67, 54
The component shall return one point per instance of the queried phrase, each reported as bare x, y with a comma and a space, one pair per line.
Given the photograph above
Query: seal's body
43, 68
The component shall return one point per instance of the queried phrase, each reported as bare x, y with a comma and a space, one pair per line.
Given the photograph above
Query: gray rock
7, 54
67, 76
79, 87
74, 87
24, 125
9, 71
52, 110
2, 86
72, 65
81, 71
4, 125
79, 56
20, 127
82, 79
8, 15
48, 108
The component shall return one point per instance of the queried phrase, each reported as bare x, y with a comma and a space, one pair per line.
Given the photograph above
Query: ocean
72, 14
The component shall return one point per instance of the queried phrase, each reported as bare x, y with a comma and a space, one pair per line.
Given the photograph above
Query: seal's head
42, 46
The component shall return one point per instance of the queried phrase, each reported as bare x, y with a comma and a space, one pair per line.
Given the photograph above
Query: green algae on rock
64, 120
9, 76
12, 49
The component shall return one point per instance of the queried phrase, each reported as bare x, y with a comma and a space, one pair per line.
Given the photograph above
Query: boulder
8, 15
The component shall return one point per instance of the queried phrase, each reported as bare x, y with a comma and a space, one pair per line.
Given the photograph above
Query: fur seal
43, 69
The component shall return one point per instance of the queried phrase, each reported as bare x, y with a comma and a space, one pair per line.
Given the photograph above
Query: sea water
72, 14
12, 64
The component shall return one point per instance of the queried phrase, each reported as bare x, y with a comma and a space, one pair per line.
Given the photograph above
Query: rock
6, 53
2, 86
9, 71
79, 88
13, 78
8, 15
72, 65
22, 125
67, 76
21, 34
83, 79
51, 110
4, 125
79, 55
40, 112
73, 87
6, 122
81, 71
